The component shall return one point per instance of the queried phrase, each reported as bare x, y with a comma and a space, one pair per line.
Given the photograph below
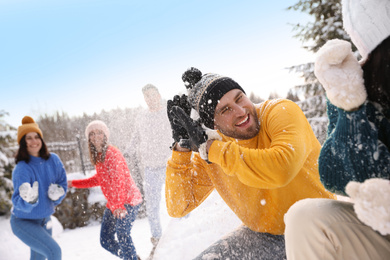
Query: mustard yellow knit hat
28, 125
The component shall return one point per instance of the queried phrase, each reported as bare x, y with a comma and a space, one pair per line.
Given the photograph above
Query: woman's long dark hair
23, 155
93, 153
376, 73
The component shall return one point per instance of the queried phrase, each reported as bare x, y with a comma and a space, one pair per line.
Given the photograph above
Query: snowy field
182, 238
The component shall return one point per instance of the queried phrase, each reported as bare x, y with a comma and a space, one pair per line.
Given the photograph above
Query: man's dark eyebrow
219, 110
238, 94
235, 98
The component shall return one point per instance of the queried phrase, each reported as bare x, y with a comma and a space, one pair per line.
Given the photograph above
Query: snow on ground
182, 238
187, 237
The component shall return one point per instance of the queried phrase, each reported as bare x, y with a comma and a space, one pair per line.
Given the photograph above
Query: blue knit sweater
45, 172
357, 147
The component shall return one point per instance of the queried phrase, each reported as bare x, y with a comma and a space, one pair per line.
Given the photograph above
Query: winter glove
340, 74
55, 191
371, 203
198, 135
178, 131
120, 213
28, 193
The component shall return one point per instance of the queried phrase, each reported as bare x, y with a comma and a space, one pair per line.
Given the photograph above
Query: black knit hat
205, 91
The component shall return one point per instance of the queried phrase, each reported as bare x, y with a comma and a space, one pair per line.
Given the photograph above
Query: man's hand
198, 135
340, 74
120, 213
28, 193
178, 131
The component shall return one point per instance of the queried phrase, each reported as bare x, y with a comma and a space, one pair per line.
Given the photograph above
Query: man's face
235, 116
152, 99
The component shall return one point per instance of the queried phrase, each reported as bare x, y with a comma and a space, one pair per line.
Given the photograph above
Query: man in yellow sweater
261, 159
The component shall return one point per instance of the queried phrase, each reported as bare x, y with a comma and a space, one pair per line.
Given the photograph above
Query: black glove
178, 131
197, 135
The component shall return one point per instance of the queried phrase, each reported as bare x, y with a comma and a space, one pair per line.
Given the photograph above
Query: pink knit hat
97, 125
367, 22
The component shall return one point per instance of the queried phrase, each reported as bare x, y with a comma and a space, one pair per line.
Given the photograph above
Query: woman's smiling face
97, 139
34, 143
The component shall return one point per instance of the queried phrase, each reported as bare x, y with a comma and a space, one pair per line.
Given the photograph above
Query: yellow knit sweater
260, 178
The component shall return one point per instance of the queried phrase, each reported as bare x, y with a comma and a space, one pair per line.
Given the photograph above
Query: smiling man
262, 160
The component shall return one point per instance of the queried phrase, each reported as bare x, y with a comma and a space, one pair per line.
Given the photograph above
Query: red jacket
113, 176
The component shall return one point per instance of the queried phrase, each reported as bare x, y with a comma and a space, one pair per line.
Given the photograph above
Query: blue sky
82, 56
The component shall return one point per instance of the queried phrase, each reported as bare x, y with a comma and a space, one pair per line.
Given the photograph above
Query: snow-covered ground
182, 238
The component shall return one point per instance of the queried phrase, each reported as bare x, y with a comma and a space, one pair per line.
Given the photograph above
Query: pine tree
7, 150
327, 25
255, 99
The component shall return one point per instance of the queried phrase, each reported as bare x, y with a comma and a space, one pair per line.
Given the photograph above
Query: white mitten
340, 74
55, 191
28, 193
372, 203
211, 135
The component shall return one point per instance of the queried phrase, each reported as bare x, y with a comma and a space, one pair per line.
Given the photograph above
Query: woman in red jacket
122, 194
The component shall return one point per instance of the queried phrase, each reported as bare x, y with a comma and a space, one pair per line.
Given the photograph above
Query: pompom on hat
97, 125
367, 22
28, 125
204, 92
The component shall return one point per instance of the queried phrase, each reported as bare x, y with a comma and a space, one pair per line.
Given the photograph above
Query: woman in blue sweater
40, 184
